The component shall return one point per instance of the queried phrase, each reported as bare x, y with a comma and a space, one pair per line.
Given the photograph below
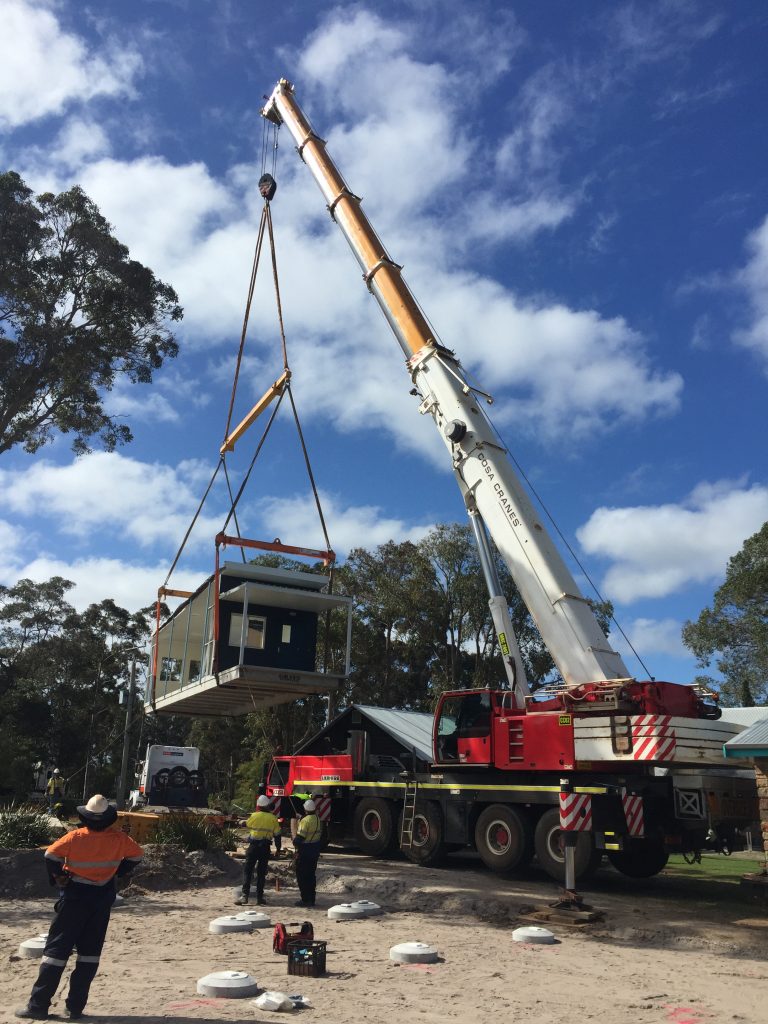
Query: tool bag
281, 936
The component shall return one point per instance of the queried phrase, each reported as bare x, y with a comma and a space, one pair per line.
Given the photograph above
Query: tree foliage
76, 313
733, 631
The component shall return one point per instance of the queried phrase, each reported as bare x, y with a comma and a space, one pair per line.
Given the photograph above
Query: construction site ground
675, 949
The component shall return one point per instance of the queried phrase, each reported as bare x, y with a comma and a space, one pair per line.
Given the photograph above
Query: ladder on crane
410, 797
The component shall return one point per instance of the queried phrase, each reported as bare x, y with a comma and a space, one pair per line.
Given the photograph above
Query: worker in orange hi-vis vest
84, 865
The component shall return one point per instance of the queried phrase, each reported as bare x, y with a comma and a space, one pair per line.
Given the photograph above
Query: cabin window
254, 638
286, 638
170, 670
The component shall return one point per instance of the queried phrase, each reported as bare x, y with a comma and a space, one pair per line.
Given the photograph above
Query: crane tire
642, 858
373, 826
504, 837
428, 843
549, 852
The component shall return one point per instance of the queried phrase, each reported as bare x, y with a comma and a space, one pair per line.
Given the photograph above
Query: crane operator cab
463, 728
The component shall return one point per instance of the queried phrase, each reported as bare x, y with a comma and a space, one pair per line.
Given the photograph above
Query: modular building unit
246, 639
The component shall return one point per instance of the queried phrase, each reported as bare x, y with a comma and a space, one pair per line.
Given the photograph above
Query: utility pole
123, 784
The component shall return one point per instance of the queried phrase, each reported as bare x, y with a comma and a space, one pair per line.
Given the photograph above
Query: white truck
169, 777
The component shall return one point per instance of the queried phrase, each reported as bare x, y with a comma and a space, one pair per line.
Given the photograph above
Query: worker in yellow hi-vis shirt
307, 845
264, 827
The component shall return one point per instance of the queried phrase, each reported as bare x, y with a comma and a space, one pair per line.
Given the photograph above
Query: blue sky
578, 195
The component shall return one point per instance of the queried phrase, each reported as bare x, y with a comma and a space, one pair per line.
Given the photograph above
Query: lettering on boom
506, 504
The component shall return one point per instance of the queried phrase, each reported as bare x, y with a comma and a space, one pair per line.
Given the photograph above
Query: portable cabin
246, 639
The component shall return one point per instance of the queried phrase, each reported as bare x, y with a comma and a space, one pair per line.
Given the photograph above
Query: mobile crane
497, 758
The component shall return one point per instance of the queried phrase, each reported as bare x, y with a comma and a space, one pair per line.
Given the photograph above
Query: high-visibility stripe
575, 812
88, 959
653, 738
55, 963
354, 784
323, 807
99, 883
633, 813
59, 860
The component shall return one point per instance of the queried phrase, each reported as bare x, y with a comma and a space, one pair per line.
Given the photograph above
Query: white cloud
130, 586
754, 279
652, 636
148, 502
12, 540
573, 372
349, 526
147, 405
44, 68
658, 550
79, 140
570, 370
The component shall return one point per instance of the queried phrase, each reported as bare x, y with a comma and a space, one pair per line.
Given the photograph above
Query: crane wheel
642, 858
504, 837
549, 848
427, 845
374, 827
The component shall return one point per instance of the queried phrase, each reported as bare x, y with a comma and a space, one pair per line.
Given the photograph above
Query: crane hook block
267, 186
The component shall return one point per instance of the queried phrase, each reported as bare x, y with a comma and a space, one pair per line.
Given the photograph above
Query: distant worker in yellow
307, 844
264, 827
84, 865
54, 791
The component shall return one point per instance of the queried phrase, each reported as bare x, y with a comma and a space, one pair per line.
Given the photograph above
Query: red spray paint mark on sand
686, 1014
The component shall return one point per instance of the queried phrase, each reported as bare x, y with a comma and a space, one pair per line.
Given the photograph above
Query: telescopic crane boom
493, 494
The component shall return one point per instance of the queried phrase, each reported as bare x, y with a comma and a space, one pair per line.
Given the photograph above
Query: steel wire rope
246, 315
231, 500
222, 462
191, 526
253, 462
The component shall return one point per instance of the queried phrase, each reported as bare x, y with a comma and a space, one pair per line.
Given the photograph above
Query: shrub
193, 834
23, 827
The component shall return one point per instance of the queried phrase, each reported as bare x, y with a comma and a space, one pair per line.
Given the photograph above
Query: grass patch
725, 869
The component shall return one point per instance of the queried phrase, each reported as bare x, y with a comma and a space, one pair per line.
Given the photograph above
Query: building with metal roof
752, 742
405, 737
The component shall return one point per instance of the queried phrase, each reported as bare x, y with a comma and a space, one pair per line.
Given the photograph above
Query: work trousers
80, 923
307, 856
256, 855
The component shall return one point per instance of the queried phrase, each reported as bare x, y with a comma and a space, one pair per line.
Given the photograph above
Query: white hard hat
98, 809
56, 771
309, 805
263, 801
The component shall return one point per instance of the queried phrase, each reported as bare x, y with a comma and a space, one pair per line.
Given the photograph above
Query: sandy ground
668, 951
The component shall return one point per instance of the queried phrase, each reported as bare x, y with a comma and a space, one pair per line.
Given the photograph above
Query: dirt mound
171, 867
23, 874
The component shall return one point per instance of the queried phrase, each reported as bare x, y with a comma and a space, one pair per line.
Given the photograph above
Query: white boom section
482, 466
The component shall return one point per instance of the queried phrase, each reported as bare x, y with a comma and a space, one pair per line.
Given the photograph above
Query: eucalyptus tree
76, 314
